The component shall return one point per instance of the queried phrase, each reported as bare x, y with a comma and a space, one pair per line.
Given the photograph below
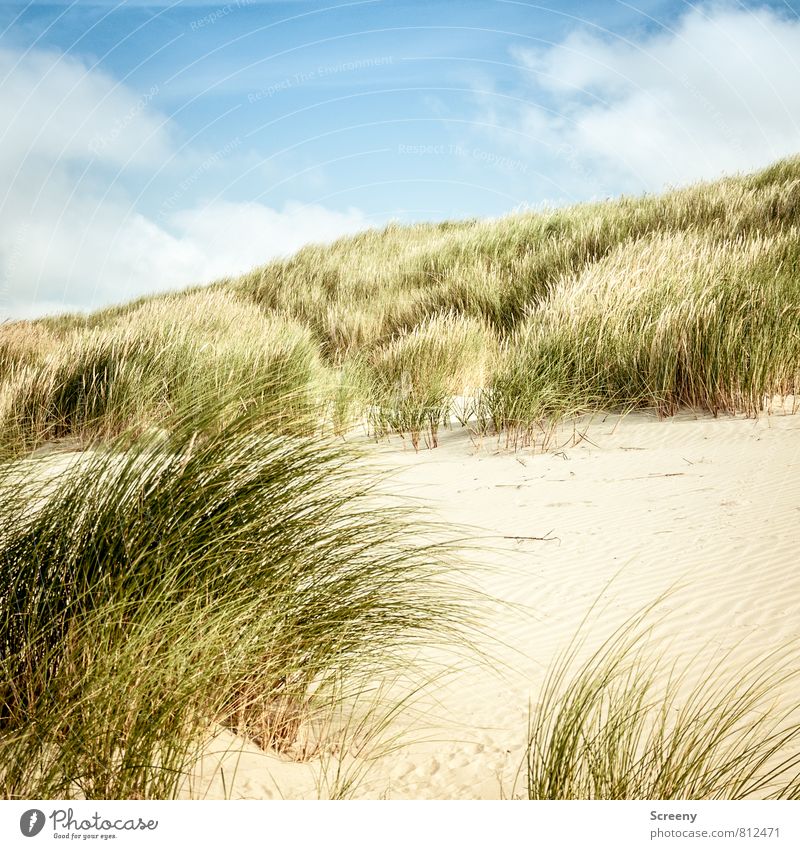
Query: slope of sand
708, 509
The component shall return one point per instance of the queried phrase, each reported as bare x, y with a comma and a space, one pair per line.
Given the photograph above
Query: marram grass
665, 322
154, 363
413, 380
627, 724
153, 589
689, 298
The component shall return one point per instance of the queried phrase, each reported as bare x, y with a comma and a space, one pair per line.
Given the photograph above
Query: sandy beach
401, 401
702, 511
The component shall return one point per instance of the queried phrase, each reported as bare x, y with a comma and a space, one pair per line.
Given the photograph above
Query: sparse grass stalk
414, 379
627, 725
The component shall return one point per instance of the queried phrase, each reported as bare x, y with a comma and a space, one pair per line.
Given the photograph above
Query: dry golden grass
687, 298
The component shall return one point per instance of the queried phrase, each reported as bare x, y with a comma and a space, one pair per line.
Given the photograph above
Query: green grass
689, 298
665, 322
152, 364
413, 380
626, 724
153, 589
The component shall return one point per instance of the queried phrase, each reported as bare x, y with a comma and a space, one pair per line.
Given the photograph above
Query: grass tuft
413, 380
156, 588
625, 725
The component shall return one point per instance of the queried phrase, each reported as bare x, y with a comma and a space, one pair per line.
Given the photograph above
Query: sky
147, 146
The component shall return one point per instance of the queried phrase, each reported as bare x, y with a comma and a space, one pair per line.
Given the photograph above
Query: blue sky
151, 146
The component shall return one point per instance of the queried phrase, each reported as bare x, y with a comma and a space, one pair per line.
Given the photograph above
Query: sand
706, 508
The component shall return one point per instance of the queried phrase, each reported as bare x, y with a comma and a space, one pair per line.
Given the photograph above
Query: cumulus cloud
55, 108
72, 235
714, 92
83, 259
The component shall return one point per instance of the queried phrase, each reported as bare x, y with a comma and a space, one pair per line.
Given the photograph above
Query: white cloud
70, 235
83, 259
55, 108
717, 92
236, 236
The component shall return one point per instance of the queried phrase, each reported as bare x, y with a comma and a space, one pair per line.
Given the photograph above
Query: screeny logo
31, 822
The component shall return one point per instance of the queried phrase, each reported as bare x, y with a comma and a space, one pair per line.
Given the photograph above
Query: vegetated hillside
687, 298
215, 568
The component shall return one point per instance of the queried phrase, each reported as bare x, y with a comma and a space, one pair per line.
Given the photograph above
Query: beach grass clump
666, 322
151, 591
97, 384
662, 301
153, 362
365, 289
627, 724
228, 348
414, 380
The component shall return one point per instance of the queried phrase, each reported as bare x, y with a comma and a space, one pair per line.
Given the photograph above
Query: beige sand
710, 506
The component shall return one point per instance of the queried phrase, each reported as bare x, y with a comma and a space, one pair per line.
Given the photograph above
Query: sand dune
708, 509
